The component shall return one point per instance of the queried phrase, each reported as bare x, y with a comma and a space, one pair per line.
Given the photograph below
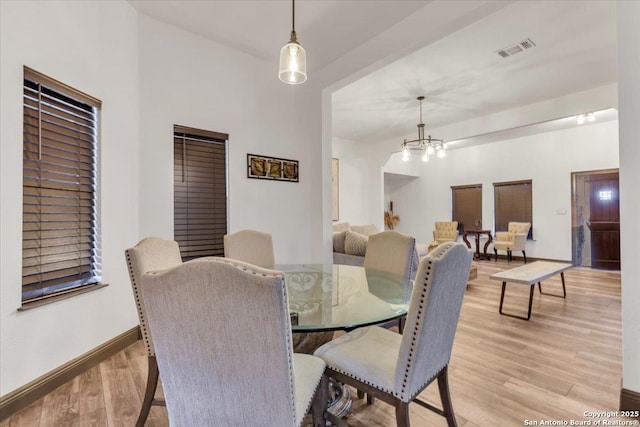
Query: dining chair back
150, 254
392, 252
432, 317
254, 247
223, 342
395, 253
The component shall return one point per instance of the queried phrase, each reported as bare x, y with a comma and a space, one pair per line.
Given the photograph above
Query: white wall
91, 46
362, 181
629, 101
353, 187
188, 80
547, 159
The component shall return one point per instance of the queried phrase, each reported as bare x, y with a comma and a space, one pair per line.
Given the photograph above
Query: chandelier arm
425, 140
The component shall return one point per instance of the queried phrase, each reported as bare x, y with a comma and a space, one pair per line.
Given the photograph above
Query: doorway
595, 224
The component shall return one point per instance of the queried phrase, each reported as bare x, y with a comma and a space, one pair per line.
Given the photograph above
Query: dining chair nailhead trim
412, 255
143, 321
364, 381
417, 325
315, 390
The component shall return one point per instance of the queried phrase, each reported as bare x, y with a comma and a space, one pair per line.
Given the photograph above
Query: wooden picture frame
335, 188
272, 168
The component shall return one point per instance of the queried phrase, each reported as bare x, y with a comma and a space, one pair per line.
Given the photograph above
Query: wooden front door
604, 221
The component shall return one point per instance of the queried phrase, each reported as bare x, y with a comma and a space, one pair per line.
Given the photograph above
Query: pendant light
293, 58
426, 146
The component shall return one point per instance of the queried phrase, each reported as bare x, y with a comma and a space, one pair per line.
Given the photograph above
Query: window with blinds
60, 241
200, 191
467, 206
512, 203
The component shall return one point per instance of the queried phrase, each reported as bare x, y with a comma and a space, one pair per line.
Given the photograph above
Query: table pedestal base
477, 234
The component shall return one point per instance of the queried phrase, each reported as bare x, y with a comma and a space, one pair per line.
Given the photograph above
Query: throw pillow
365, 230
341, 226
355, 243
338, 241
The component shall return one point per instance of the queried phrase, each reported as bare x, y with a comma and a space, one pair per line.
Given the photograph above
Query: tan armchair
512, 240
446, 231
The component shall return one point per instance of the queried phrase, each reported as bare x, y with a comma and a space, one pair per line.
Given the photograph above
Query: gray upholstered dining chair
392, 252
395, 253
396, 368
152, 253
254, 247
222, 335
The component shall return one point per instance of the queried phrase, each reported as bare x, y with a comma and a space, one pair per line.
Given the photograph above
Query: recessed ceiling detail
516, 48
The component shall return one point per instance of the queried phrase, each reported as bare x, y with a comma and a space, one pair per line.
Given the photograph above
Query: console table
477, 234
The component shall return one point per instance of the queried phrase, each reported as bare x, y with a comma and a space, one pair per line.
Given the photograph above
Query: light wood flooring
566, 360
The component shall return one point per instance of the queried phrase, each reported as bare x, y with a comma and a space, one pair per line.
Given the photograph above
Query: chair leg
495, 251
445, 397
509, 257
525, 257
149, 393
401, 323
370, 399
402, 414
320, 402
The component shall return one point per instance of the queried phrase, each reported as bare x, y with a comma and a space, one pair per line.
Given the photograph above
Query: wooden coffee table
530, 274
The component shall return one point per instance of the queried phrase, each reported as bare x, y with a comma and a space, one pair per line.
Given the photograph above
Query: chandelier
426, 146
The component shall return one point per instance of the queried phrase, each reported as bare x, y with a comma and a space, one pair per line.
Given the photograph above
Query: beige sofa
350, 242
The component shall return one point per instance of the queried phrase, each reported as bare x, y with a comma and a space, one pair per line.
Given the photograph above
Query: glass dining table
328, 298
325, 298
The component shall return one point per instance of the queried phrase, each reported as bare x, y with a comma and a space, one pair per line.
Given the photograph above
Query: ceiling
461, 75
327, 29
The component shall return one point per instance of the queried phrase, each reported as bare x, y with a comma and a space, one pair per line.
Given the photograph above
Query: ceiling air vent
517, 48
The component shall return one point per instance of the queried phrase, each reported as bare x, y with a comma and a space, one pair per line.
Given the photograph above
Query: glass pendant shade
293, 63
405, 154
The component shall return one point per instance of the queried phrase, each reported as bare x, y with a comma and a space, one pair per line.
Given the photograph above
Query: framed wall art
271, 168
335, 190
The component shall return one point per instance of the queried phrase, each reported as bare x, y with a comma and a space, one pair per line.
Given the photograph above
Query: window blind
513, 203
60, 242
200, 192
467, 206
